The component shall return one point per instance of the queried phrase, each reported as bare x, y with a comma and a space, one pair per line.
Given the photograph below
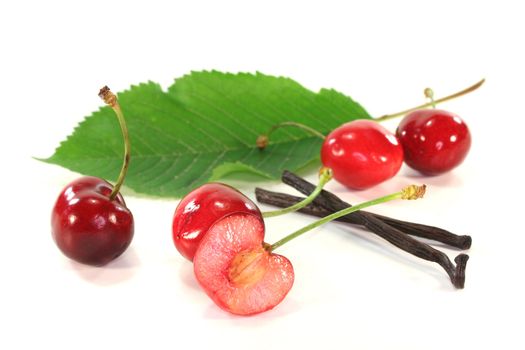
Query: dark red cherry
87, 226
201, 208
434, 141
362, 154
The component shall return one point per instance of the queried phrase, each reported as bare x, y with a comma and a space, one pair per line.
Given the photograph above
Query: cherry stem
111, 100
410, 192
432, 102
262, 140
325, 175
429, 93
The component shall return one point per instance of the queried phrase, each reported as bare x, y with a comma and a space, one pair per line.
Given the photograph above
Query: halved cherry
240, 272
237, 271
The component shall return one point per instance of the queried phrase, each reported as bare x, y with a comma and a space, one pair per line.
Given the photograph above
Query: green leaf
204, 127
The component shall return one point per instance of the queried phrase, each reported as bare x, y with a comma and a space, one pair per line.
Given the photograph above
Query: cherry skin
201, 208
87, 226
237, 271
362, 154
434, 141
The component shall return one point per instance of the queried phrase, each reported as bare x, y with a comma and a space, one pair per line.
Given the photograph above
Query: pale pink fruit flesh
235, 270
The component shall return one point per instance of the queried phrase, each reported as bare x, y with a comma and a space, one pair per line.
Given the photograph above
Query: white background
352, 290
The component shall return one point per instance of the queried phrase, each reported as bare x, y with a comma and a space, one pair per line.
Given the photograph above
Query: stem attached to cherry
432, 102
325, 175
111, 100
410, 192
262, 140
429, 93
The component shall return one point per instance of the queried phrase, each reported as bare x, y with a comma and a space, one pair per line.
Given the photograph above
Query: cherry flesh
434, 141
236, 270
362, 154
201, 208
87, 226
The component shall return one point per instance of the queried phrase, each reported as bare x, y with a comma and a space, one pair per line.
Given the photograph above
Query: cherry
88, 226
201, 208
434, 141
232, 263
90, 222
362, 154
234, 267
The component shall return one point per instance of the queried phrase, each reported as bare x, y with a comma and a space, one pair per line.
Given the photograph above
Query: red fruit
434, 141
87, 226
201, 208
362, 154
236, 271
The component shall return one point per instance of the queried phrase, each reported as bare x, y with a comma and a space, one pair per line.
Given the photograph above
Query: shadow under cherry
119, 270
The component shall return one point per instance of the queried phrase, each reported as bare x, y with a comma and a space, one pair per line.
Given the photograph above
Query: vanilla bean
420, 249
374, 224
380, 228
437, 234
283, 200
332, 202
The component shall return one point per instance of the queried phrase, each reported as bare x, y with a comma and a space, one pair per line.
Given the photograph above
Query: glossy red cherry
87, 226
201, 208
237, 271
90, 222
434, 141
362, 154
